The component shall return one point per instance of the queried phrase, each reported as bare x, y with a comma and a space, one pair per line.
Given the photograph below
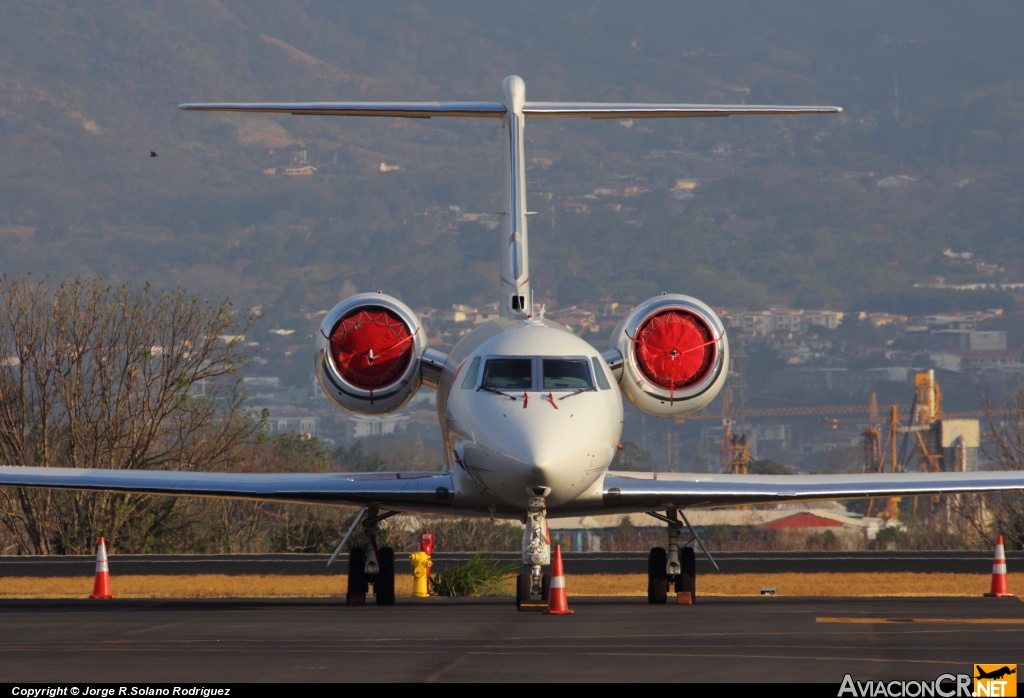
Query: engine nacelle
673, 355
368, 353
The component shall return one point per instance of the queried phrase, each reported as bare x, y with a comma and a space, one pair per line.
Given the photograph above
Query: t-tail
513, 110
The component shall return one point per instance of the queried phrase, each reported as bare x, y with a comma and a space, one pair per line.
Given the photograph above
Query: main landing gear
675, 566
532, 584
371, 566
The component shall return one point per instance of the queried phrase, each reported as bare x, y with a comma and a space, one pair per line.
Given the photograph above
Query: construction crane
802, 411
737, 453
739, 450
875, 457
924, 429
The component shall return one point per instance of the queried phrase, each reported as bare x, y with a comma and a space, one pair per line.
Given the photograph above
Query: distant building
360, 426
958, 359
262, 382
575, 318
842, 381
894, 181
685, 188
588, 533
488, 220
765, 322
306, 425
880, 319
976, 340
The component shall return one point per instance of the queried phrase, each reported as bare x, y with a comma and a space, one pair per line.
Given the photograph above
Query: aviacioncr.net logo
995, 680
943, 686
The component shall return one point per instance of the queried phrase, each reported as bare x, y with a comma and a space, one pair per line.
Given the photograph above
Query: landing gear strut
531, 581
371, 566
677, 565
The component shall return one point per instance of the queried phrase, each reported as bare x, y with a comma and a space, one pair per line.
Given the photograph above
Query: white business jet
530, 413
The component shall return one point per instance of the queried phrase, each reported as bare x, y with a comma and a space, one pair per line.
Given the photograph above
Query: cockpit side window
602, 378
472, 373
508, 373
569, 374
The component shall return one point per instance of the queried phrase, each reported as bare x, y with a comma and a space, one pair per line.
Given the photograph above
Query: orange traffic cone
558, 602
999, 585
101, 587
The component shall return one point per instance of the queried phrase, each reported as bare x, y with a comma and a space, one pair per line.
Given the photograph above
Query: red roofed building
804, 519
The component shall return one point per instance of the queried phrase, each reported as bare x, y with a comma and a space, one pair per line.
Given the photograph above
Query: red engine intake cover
674, 349
371, 347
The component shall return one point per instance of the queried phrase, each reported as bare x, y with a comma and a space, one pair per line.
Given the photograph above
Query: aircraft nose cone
563, 449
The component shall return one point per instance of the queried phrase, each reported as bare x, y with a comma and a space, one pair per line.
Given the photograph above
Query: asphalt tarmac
962, 562
718, 640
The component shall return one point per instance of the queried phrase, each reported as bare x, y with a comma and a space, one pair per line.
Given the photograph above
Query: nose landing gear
532, 582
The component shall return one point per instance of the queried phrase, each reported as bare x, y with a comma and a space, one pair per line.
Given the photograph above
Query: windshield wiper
577, 392
496, 392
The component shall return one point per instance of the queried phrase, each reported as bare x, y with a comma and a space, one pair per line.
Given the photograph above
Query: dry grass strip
797, 584
210, 586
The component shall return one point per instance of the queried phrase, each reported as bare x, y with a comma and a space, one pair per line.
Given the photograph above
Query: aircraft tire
657, 578
524, 583
545, 587
384, 587
687, 580
355, 594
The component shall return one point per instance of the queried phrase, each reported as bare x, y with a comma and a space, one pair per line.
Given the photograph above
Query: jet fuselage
526, 407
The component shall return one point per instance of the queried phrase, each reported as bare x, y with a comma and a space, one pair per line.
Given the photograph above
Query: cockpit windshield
508, 373
570, 374
535, 373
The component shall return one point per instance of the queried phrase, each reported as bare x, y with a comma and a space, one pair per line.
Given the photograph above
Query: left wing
415, 491
651, 491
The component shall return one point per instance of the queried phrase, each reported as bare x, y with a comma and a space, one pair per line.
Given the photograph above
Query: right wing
420, 491
629, 491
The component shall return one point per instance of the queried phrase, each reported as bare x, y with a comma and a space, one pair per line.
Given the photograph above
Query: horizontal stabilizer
425, 110
654, 111
416, 110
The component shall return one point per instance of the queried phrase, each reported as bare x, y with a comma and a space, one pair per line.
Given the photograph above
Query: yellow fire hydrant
420, 571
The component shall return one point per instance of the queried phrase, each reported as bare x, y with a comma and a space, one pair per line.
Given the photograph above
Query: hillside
784, 211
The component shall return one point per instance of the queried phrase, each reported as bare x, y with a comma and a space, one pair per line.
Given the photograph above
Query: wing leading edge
546, 110
647, 491
415, 491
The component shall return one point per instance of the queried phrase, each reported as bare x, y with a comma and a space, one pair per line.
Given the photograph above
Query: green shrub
478, 576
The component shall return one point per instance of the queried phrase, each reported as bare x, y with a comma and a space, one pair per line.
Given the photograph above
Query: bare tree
94, 376
1004, 513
